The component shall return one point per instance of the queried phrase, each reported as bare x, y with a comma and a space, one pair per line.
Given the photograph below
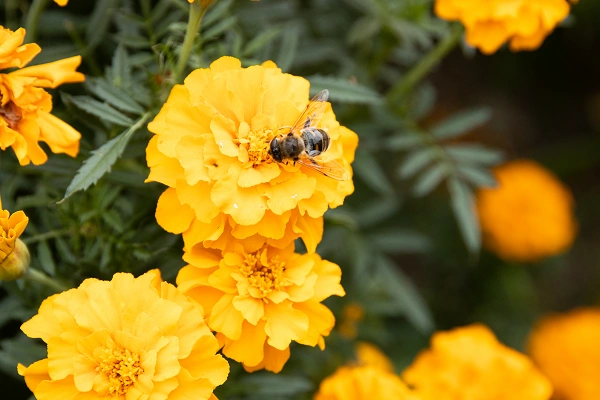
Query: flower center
265, 278
11, 114
121, 367
257, 144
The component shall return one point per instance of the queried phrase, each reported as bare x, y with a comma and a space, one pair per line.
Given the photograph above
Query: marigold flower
211, 149
130, 338
529, 216
470, 363
259, 302
363, 382
61, 3
352, 314
369, 354
14, 255
491, 23
566, 348
25, 106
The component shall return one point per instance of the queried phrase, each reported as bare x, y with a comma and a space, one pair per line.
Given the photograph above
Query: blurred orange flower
491, 23
566, 347
211, 149
529, 215
352, 314
369, 354
14, 255
469, 363
363, 382
130, 338
25, 107
259, 302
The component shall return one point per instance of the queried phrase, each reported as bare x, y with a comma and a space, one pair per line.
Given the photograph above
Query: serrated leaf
474, 154
121, 70
99, 109
478, 176
99, 21
343, 90
463, 205
429, 179
260, 41
414, 162
403, 141
45, 258
461, 123
369, 170
102, 160
363, 29
113, 95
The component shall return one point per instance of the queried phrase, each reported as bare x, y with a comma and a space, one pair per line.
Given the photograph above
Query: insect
305, 143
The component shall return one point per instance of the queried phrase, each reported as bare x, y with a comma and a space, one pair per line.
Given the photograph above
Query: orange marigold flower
61, 3
470, 363
130, 338
529, 215
259, 302
212, 149
14, 255
369, 354
567, 349
25, 107
491, 23
363, 382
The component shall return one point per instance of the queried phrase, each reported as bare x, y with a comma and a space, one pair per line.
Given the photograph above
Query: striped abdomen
316, 141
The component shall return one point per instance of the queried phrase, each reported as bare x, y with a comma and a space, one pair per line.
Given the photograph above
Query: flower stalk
193, 28
34, 275
33, 18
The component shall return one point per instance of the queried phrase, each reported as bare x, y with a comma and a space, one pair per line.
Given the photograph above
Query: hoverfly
305, 143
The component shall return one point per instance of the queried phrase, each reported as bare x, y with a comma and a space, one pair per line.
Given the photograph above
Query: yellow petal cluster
363, 382
469, 363
130, 338
211, 149
25, 118
529, 215
491, 23
566, 347
259, 302
369, 354
14, 256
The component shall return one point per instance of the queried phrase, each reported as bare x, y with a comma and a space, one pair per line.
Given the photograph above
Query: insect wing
311, 116
330, 168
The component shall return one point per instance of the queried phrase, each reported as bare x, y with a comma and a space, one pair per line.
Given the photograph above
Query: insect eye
290, 134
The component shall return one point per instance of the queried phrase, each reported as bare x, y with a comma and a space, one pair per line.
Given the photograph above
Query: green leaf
216, 12
474, 154
220, 27
461, 123
400, 241
289, 48
45, 258
415, 161
429, 179
343, 90
99, 109
369, 170
113, 95
121, 69
403, 141
271, 384
99, 21
260, 41
363, 29
478, 176
102, 160
463, 206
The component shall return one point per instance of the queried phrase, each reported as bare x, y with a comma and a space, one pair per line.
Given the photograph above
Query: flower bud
16, 263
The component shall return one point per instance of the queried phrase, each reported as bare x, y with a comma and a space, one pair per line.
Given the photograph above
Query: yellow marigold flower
469, 363
567, 349
211, 149
352, 314
14, 255
491, 23
363, 382
529, 215
369, 354
259, 302
130, 338
25, 107
61, 3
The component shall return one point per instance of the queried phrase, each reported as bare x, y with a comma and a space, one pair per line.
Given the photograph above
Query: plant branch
193, 27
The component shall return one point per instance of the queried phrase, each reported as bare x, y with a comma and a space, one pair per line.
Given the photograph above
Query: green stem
36, 276
196, 14
46, 236
33, 18
419, 71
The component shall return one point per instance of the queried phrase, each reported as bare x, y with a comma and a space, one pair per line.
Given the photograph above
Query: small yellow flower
491, 23
567, 349
363, 382
259, 302
470, 364
369, 354
25, 107
130, 338
352, 314
14, 255
529, 216
211, 149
